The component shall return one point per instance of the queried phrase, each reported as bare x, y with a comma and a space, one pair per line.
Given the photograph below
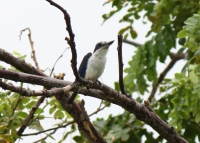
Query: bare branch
58, 127
57, 61
70, 40
82, 119
39, 80
120, 61
131, 43
42, 139
18, 63
45, 92
99, 108
33, 56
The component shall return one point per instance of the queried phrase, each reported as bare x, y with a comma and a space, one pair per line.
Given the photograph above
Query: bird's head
102, 47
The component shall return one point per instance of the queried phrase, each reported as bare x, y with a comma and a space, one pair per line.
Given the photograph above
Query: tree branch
81, 117
131, 42
33, 56
57, 61
18, 63
69, 40
59, 126
44, 93
106, 93
120, 61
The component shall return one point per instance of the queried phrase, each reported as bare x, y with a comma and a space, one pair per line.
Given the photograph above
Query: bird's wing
83, 65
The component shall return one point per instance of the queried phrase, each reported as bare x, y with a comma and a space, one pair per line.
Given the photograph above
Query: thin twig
55, 128
120, 61
132, 43
33, 55
42, 139
99, 109
57, 61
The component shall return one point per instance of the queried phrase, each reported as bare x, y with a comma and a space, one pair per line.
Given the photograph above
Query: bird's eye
99, 44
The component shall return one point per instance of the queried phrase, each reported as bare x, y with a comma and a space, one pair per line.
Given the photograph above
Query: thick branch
106, 93
81, 118
18, 63
45, 92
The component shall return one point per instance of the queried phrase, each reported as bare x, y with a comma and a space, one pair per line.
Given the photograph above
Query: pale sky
48, 33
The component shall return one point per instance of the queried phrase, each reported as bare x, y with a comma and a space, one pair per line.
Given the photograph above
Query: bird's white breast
96, 65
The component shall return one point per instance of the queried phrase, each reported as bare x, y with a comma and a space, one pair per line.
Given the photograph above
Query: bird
93, 64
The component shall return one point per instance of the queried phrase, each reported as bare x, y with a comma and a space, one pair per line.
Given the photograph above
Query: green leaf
116, 3
117, 87
16, 53
182, 34
23, 115
123, 30
58, 115
77, 138
30, 104
197, 118
52, 109
197, 53
39, 111
133, 33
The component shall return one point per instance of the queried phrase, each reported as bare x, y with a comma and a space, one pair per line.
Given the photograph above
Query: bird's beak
106, 45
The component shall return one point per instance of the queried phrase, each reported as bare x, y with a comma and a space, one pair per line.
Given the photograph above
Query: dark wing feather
83, 65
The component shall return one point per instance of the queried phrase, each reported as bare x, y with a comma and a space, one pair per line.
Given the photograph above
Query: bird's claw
97, 82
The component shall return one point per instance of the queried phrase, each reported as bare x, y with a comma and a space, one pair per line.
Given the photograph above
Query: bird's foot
88, 86
97, 82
